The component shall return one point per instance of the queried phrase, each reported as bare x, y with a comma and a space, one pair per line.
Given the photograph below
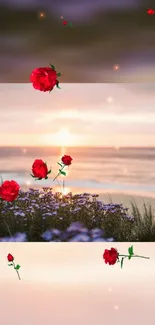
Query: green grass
144, 225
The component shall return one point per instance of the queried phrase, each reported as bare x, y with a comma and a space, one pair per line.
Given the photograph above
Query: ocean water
97, 170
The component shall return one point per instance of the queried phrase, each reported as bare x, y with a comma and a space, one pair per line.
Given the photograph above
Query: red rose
9, 191
150, 12
10, 258
44, 79
39, 169
66, 160
110, 256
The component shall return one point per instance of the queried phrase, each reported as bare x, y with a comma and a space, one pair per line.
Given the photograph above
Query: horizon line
74, 147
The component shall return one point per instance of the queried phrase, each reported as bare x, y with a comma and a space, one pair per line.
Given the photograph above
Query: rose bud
10, 258
66, 160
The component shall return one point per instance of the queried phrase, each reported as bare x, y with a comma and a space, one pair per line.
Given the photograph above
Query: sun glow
64, 190
62, 138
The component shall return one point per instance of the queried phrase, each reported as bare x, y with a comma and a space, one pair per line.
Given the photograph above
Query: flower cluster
38, 211
76, 232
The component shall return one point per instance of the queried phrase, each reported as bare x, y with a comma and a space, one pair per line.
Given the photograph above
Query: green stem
134, 256
58, 183
7, 228
59, 173
63, 186
16, 271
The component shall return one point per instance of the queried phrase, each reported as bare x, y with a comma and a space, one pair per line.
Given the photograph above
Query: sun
62, 138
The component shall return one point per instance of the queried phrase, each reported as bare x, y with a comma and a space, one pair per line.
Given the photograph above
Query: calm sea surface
124, 170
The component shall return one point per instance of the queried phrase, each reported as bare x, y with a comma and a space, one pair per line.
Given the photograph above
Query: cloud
81, 108
77, 98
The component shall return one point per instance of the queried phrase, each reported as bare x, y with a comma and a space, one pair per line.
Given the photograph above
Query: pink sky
78, 115
70, 284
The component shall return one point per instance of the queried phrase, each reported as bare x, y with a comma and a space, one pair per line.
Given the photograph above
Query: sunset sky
78, 115
70, 284
78, 8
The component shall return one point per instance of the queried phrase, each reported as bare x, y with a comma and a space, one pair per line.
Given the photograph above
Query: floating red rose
66, 23
45, 78
111, 256
10, 258
40, 169
151, 12
9, 190
65, 161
